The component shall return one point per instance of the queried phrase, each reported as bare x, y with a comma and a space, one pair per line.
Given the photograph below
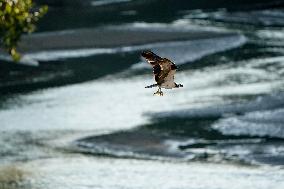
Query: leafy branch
16, 18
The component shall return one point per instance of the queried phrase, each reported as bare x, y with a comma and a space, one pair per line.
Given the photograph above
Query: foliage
16, 18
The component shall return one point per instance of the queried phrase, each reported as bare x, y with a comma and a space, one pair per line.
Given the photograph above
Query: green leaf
16, 18
15, 55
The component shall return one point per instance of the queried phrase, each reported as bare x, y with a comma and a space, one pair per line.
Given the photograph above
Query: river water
82, 118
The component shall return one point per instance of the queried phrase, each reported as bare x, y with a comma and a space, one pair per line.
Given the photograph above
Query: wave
184, 140
199, 98
107, 2
179, 51
256, 137
64, 54
139, 143
87, 172
260, 103
179, 25
267, 123
189, 51
260, 117
25, 60
257, 17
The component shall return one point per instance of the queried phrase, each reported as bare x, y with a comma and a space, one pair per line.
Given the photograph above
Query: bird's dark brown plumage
164, 71
162, 67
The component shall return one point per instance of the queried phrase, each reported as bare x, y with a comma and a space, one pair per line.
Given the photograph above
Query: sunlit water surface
224, 129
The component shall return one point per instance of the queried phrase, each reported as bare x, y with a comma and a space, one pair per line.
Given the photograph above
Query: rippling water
83, 119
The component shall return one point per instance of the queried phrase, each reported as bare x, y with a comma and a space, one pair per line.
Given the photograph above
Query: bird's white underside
169, 80
168, 85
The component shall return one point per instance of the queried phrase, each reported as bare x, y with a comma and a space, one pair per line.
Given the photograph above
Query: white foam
64, 54
264, 17
219, 110
179, 25
25, 60
188, 51
102, 105
114, 103
270, 34
107, 2
177, 50
212, 85
258, 123
104, 173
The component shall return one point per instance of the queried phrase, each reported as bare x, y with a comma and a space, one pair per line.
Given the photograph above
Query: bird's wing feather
163, 68
168, 70
153, 59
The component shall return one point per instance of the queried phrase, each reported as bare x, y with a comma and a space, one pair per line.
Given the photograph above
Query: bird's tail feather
150, 86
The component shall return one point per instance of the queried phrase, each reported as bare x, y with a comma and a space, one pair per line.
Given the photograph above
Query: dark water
93, 111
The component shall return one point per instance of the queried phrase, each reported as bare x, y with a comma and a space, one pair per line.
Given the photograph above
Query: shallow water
83, 119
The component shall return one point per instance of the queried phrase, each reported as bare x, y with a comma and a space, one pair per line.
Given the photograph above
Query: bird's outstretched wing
151, 57
163, 68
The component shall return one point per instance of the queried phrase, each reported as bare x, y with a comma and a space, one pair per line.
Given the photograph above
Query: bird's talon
159, 93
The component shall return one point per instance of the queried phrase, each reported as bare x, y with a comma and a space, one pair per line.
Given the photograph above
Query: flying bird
164, 71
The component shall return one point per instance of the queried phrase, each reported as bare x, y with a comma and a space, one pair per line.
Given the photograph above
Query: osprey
164, 71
